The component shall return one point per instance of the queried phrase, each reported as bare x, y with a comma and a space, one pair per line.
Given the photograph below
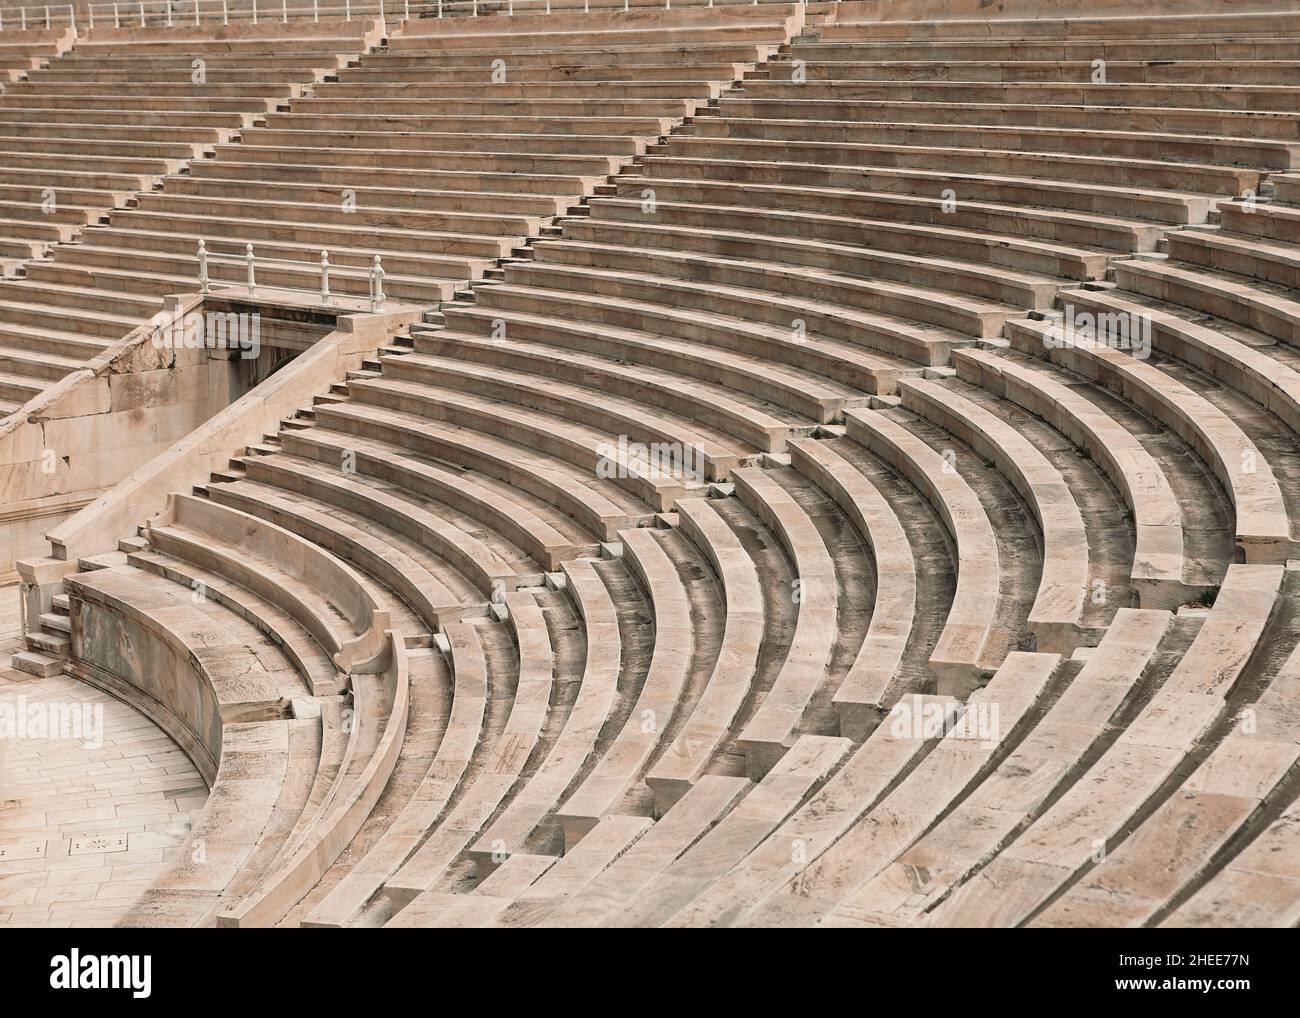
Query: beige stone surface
716, 526
85, 823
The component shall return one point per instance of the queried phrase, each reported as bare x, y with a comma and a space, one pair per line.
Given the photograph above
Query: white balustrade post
376, 285
315, 10
254, 12
205, 283
169, 14
284, 12
225, 12
142, 13
117, 21
252, 276
23, 12
196, 12
325, 297
47, 15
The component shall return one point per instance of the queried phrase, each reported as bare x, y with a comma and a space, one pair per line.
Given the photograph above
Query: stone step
34, 663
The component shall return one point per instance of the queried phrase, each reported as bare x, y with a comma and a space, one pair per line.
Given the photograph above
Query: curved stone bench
464, 731
851, 365
1158, 560
1065, 838
870, 687
1212, 124
373, 759
467, 554
1137, 204
504, 764
543, 434
706, 404
1032, 29
993, 282
263, 769
990, 723
1198, 177
772, 729
1214, 50
597, 410
1057, 617
889, 335
1237, 299
711, 721
1173, 148
154, 646
576, 746
1268, 380
840, 876
141, 638
707, 801
225, 540
962, 313
1039, 768
787, 386
883, 758
319, 671
961, 659
1241, 253
513, 519
578, 867
592, 166
807, 764
394, 581
538, 475
970, 215
1260, 887
848, 227
1262, 523
1215, 804
477, 909
630, 750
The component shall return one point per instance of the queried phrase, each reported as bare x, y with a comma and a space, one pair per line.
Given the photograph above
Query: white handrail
249, 261
47, 14
174, 13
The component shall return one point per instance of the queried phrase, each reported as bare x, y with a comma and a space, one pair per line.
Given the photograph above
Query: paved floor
88, 813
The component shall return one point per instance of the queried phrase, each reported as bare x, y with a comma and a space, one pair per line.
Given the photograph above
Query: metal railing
158, 13
168, 13
476, 8
249, 261
45, 16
